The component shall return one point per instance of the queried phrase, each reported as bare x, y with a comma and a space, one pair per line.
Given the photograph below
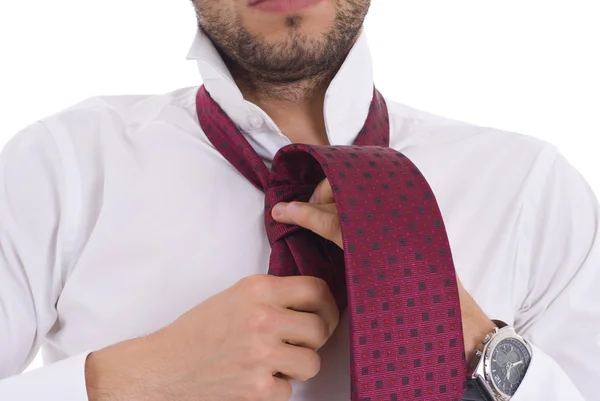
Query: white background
527, 66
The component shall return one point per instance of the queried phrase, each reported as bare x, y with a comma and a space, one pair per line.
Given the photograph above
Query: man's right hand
244, 344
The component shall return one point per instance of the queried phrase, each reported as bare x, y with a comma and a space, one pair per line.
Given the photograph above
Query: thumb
320, 219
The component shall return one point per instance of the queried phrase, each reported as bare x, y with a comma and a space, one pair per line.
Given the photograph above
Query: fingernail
278, 209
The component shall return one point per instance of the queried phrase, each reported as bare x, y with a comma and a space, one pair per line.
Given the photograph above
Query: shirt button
256, 121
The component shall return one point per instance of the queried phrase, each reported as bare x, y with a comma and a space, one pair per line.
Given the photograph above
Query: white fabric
117, 215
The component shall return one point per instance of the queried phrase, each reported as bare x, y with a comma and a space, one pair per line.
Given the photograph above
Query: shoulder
107, 114
30, 176
78, 136
62, 158
477, 157
415, 127
119, 113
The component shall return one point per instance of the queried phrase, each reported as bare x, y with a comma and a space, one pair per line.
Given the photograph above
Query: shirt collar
347, 99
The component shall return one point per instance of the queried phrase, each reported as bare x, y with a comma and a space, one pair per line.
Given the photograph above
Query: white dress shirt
117, 215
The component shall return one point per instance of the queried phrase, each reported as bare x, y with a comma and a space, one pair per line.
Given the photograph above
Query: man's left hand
320, 215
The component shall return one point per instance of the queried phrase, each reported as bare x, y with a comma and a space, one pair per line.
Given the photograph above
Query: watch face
509, 363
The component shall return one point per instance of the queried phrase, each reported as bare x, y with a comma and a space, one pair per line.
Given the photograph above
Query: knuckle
312, 366
321, 330
263, 385
321, 288
336, 319
259, 355
256, 284
260, 318
285, 392
281, 390
303, 213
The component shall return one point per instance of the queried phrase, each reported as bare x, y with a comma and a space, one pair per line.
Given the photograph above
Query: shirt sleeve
560, 314
32, 271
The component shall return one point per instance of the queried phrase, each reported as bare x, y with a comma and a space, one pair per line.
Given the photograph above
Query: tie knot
283, 193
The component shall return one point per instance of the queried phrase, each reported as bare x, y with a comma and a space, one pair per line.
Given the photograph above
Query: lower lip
284, 6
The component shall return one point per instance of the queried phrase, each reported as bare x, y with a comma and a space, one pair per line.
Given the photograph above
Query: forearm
476, 325
120, 372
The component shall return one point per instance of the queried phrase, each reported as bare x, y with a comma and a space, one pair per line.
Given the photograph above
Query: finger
307, 294
282, 389
322, 193
296, 363
284, 212
320, 219
303, 329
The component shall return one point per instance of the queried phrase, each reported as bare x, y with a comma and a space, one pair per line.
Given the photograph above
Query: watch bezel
484, 367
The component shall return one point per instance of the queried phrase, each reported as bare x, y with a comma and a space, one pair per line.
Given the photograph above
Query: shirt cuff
60, 381
546, 381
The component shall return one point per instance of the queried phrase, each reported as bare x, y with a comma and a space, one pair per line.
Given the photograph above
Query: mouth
282, 6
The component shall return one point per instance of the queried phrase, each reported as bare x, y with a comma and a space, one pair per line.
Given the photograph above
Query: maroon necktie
395, 274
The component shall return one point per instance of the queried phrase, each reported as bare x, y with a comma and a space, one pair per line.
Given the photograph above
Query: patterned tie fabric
395, 274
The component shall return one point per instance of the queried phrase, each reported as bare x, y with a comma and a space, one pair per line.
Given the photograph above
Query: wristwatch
499, 365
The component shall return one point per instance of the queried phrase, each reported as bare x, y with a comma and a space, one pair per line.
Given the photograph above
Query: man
134, 252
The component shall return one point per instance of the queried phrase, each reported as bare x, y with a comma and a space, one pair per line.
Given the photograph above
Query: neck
295, 106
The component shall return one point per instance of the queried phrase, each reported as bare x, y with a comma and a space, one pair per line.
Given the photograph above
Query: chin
310, 23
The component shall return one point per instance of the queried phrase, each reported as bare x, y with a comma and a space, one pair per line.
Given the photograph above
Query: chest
172, 232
